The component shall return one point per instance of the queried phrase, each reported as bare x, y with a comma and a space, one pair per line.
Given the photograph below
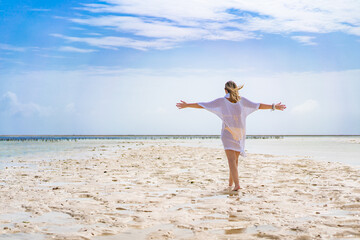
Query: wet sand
155, 190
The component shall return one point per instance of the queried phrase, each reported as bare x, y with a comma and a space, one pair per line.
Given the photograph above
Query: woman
233, 110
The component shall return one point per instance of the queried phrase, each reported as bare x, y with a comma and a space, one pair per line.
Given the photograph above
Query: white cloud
77, 28
10, 104
11, 48
94, 34
115, 42
12, 61
306, 40
144, 27
50, 56
308, 106
70, 108
39, 10
165, 24
74, 49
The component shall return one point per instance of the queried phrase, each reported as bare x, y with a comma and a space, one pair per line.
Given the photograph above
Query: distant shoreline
171, 135
141, 137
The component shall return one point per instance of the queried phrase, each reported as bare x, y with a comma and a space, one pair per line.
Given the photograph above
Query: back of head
233, 90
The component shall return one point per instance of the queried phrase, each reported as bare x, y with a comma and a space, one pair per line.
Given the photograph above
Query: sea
331, 148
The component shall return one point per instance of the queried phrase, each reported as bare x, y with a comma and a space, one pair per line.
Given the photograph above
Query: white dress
233, 115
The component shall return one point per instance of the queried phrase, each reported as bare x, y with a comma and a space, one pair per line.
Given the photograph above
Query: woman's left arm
278, 106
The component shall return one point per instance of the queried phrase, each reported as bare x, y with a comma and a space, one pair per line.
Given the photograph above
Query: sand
156, 190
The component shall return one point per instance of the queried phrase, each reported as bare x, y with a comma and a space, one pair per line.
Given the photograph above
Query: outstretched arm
278, 106
183, 104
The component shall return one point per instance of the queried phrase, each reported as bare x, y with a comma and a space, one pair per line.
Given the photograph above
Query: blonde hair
233, 89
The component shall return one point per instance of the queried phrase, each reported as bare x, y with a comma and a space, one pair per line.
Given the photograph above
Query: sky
120, 66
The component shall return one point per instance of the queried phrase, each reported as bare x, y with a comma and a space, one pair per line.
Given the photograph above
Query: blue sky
119, 67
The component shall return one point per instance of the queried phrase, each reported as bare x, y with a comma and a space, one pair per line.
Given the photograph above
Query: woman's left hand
280, 106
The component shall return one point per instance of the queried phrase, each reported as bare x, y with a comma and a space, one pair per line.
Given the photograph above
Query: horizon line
121, 135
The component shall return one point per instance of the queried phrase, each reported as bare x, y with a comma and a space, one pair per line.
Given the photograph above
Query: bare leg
237, 154
231, 156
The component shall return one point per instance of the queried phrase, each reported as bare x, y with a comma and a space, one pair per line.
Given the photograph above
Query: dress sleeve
249, 106
215, 106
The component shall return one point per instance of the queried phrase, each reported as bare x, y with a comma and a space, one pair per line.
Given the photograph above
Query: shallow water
13, 151
332, 149
344, 149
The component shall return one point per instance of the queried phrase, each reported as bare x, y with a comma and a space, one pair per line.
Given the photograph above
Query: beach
172, 189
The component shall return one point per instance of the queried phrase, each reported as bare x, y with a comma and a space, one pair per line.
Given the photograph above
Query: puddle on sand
17, 165
346, 238
261, 228
208, 197
246, 230
336, 213
131, 234
22, 236
225, 194
55, 222
304, 219
247, 198
15, 217
176, 191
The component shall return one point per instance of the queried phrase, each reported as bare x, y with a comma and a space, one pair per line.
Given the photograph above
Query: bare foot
236, 188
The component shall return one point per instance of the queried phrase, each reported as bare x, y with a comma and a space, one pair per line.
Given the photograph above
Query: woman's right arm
183, 104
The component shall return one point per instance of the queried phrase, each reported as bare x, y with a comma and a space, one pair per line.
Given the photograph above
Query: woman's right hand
181, 104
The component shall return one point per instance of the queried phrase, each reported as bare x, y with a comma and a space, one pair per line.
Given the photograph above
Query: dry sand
154, 190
